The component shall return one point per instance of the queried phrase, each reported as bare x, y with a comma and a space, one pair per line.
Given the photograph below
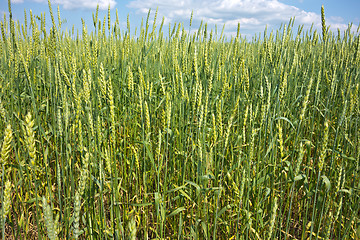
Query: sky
253, 15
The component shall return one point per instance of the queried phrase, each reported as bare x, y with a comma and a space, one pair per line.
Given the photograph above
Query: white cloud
253, 15
17, 1
90, 4
72, 4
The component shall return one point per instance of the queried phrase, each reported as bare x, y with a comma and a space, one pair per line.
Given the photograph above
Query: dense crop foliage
110, 134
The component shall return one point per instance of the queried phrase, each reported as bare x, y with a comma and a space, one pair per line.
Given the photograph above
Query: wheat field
178, 134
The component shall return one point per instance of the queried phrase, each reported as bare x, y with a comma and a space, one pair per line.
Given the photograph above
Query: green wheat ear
30, 138
132, 228
49, 221
5, 204
6, 146
323, 23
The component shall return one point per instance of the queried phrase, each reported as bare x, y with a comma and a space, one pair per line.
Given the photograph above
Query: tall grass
112, 135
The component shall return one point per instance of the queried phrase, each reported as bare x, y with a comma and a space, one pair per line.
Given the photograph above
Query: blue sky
253, 15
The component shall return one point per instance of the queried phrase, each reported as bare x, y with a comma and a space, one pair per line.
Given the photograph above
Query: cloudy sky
253, 15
